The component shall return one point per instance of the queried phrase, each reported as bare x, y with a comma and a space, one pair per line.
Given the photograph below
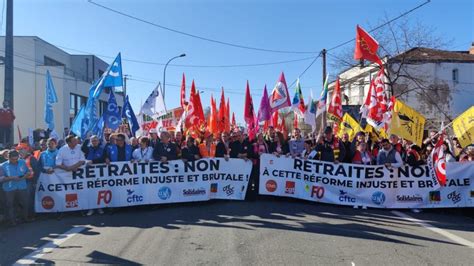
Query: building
72, 77
439, 84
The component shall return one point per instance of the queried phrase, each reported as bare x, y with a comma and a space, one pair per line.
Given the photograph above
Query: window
75, 104
51, 62
102, 107
100, 73
455, 75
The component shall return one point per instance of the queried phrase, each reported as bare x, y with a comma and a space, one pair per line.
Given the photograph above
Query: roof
421, 54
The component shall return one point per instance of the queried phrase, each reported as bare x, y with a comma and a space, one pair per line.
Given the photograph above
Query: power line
197, 36
383, 25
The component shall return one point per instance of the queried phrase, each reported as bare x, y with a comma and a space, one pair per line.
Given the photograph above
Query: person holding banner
191, 151
207, 148
222, 147
119, 152
70, 156
93, 150
165, 150
330, 147
15, 187
469, 154
388, 156
279, 146
413, 157
144, 152
362, 156
347, 144
309, 153
296, 143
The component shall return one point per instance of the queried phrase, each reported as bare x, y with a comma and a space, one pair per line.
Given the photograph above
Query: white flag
154, 105
310, 114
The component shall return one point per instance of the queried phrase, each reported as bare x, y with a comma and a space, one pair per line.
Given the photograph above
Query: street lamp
164, 72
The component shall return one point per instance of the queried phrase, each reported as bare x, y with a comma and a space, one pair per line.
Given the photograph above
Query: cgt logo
164, 193
271, 186
105, 196
71, 201
344, 197
133, 198
47, 202
290, 187
317, 192
378, 198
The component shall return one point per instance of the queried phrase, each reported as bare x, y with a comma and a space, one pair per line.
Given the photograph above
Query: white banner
128, 184
372, 186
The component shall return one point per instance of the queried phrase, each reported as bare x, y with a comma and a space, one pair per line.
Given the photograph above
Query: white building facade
438, 84
72, 77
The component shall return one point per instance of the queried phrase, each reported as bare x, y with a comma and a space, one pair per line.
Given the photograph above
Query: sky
288, 25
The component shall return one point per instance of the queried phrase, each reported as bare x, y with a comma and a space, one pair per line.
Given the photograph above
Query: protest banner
372, 186
128, 184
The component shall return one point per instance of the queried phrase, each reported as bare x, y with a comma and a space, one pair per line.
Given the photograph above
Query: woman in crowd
281, 146
309, 153
362, 156
144, 152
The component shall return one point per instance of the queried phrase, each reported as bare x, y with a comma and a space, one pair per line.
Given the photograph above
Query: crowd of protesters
22, 165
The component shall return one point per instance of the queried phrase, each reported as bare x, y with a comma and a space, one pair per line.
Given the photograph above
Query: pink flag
264, 112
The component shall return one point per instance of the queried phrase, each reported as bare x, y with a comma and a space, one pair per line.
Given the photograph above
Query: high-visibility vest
205, 153
30, 169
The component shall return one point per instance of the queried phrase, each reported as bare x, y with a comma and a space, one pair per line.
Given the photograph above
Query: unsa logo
164, 193
378, 198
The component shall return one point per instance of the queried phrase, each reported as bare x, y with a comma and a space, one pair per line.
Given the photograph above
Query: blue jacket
112, 152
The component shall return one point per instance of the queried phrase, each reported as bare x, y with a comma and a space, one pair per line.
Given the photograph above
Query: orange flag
213, 120
234, 124
227, 115
222, 114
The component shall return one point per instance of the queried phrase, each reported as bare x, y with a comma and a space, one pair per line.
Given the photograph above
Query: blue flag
49, 100
79, 125
112, 113
98, 128
112, 77
128, 113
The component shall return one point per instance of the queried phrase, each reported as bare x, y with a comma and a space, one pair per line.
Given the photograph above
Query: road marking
49, 247
352, 263
437, 230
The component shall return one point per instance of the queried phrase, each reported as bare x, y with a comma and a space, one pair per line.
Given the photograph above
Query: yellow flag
407, 123
374, 134
463, 127
349, 125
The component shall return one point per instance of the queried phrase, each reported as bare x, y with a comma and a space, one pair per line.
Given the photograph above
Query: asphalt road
267, 231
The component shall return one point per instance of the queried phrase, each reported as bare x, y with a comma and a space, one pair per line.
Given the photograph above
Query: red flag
222, 114
437, 162
280, 97
249, 113
234, 124
195, 117
283, 128
275, 119
335, 106
183, 92
375, 107
227, 116
366, 47
213, 126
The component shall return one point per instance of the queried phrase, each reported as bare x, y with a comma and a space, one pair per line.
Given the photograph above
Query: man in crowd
388, 156
412, 155
15, 186
70, 156
93, 150
241, 147
395, 141
222, 147
120, 151
207, 148
347, 145
47, 161
296, 143
31, 178
330, 147
191, 151
165, 150
153, 138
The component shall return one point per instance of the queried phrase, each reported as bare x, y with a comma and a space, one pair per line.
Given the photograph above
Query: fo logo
271, 186
378, 198
164, 193
47, 202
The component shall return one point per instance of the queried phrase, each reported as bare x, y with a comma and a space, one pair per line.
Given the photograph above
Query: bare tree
402, 77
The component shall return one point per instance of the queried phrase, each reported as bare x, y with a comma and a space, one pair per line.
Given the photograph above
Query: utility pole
125, 77
323, 54
8, 85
